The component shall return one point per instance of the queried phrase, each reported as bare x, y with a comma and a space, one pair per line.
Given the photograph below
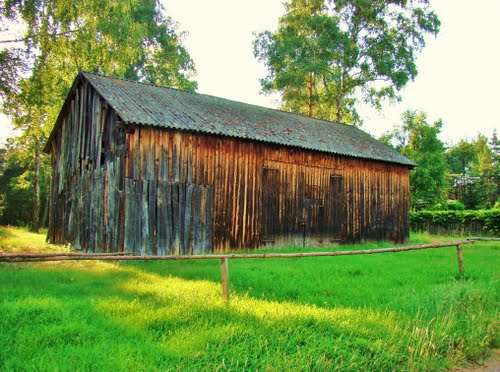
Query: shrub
455, 205
485, 221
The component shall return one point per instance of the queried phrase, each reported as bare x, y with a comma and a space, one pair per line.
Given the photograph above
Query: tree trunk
310, 93
338, 110
35, 220
45, 206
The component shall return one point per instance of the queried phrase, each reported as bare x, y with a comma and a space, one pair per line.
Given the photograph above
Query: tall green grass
404, 311
19, 239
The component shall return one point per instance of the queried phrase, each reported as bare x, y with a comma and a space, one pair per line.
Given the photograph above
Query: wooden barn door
304, 204
270, 203
322, 206
337, 202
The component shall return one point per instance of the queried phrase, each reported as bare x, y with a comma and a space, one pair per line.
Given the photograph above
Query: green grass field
402, 311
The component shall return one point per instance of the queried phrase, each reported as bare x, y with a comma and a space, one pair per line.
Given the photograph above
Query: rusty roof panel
145, 104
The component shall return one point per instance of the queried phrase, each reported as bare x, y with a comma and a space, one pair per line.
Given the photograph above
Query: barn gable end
156, 178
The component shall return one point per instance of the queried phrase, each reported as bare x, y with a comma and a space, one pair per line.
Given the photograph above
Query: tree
12, 66
418, 140
495, 148
124, 38
483, 167
326, 54
460, 157
475, 167
16, 185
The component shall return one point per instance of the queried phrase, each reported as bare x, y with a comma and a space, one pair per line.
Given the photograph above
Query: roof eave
408, 164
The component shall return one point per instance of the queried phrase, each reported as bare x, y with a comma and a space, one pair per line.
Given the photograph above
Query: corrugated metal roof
145, 104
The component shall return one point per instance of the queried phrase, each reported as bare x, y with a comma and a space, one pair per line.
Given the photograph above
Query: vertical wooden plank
152, 220
169, 219
208, 222
163, 165
145, 241
197, 214
176, 161
176, 218
133, 211
187, 248
180, 216
128, 241
136, 160
98, 209
162, 219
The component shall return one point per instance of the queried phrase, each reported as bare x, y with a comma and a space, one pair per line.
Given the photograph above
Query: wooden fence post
224, 278
460, 259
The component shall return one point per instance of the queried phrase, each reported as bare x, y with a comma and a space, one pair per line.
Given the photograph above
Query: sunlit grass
16, 239
402, 311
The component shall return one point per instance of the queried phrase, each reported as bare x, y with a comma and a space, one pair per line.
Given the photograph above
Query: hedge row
484, 222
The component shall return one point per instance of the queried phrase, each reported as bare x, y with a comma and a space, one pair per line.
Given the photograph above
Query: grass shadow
385, 312
121, 316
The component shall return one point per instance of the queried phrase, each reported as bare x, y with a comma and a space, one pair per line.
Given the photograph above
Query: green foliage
466, 221
468, 171
131, 39
476, 168
385, 312
326, 54
485, 167
418, 140
16, 187
12, 66
461, 156
454, 205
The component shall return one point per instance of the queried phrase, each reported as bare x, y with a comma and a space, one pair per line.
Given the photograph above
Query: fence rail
224, 258
29, 255
484, 238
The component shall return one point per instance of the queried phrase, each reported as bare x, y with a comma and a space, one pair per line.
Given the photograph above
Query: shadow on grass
338, 313
379, 282
123, 316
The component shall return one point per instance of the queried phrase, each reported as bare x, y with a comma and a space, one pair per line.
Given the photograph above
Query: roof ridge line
218, 97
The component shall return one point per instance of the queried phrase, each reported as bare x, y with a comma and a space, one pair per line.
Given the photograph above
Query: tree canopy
130, 39
476, 170
326, 55
133, 39
418, 139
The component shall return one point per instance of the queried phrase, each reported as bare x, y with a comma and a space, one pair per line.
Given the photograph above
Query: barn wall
153, 191
334, 196
88, 150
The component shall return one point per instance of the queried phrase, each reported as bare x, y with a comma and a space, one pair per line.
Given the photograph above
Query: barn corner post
460, 260
224, 278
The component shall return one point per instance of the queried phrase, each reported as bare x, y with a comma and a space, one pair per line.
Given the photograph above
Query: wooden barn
154, 170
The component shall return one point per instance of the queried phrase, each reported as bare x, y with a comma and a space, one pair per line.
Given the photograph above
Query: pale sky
458, 78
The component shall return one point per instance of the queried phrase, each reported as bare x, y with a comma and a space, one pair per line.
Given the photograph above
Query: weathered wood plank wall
156, 191
87, 175
334, 196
